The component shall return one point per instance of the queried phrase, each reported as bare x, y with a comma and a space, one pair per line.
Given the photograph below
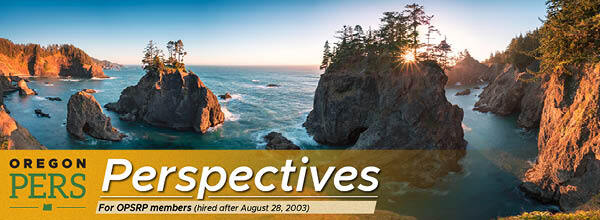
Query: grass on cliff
592, 215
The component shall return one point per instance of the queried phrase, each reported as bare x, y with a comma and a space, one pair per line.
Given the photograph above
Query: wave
110, 77
228, 115
255, 80
38, 98
70, 80
466, 128
49, 84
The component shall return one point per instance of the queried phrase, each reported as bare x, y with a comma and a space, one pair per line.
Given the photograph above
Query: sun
409, 57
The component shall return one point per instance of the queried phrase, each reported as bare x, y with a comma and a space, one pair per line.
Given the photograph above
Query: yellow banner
185, 184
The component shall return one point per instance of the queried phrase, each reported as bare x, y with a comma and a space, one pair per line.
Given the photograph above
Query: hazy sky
227, 32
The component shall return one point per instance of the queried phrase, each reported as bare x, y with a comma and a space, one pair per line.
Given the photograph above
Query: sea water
496, 158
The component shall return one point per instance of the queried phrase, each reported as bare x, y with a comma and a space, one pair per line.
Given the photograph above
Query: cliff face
386, 109
567, 170
170, 98
13, 135
467, 71
514, 92
51, 61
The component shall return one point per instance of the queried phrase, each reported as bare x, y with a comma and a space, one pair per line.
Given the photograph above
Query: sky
259, 32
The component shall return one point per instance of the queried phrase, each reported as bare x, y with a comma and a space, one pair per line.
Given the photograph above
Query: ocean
496, 158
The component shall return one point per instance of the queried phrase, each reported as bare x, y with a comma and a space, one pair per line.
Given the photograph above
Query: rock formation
171, 98
464, 92
13, 135
276, 141
90, 91
514, 92
51, 61
225, 97
84, 115
387, 108
567, 171
40, 113
24, 89
107, 65
58, 99
467, 71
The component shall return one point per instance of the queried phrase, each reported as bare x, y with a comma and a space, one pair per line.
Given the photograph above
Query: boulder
24, 89
90, 91
276, 141
464, 92
84, 115
225, 96
567, 169
386, 108
514, 92
171, 98
58, 99
40, 113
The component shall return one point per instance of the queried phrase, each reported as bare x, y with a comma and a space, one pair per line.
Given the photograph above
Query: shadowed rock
171, 98
40, 113
511, 92
464, 92
276, 141
84, 115
386, 109
225, 96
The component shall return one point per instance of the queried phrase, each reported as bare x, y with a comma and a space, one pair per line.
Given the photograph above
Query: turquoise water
486, 186
253, 111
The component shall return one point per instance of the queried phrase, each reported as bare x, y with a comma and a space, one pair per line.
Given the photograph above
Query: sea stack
567, 170
84, 115
172, 98
515, 91
24, 89
386, 108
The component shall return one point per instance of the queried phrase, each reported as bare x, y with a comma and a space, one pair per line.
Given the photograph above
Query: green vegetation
521, 52
12, 50
154, 60
570, 37
395, 42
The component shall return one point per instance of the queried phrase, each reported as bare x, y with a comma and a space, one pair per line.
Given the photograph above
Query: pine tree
326, 56
416, 17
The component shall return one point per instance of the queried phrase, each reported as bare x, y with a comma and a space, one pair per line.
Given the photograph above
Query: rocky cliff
390, 108
85, 116
172, 98
567, 171
50, 61
467, 71
514, 92
13, 135
107, 65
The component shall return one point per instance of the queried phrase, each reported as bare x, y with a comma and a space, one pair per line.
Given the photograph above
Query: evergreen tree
326, 56
416, 17
570, 36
